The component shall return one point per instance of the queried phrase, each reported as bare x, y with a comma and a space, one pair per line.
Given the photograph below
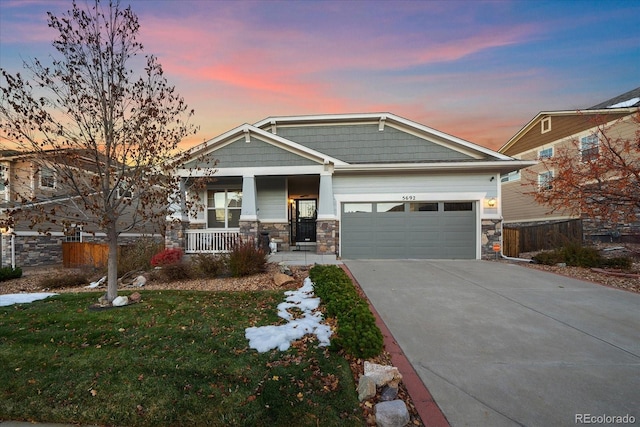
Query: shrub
8, 273
622, 263
71, 280
207, 265
357, 333
245, 259
174, 272
576, 255
166, 257
137, 256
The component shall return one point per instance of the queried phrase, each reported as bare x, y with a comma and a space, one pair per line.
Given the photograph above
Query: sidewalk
303, 258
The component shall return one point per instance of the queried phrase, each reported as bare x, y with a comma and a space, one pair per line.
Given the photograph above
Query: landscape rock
135, 297
103, 301
139, 281
366, 388
284, 269
389, 392
281, 279
382, 374
392, 414
120, 301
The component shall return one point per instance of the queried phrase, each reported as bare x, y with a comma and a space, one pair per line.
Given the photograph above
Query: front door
305, 220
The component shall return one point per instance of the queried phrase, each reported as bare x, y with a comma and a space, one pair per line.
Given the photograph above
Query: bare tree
598, 178
104, 119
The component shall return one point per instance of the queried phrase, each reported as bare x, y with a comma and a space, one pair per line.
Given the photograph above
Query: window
3, 178
545, 180
224, 208
358, 207
123, 192
545, 125
424, 207
73, 234
390, 207
47, 178
458, 206
545, 153
511, 176
589, 147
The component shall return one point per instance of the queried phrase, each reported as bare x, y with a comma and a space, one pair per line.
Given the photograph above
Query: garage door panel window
389, 207
358, 207
458, 206
423, 207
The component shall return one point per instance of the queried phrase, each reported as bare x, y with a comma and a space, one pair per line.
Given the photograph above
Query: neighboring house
542, 137
27, 185
355, 185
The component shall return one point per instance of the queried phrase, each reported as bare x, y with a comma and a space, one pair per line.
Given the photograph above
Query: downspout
13, 251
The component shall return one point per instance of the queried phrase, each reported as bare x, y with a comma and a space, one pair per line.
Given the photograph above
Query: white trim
500, 165
545, 125
274, 221
257, 171
248, 218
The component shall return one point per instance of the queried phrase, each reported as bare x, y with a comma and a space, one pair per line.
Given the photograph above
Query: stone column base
491, 233
327, 236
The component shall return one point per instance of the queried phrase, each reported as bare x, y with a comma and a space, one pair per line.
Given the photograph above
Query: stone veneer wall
175, 236
601, 231
279, 231
32, 251
491, 233
327, 236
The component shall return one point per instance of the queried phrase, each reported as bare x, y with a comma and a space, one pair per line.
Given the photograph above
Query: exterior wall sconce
492, 202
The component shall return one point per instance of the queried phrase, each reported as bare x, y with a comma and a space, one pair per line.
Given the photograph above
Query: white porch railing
210, 241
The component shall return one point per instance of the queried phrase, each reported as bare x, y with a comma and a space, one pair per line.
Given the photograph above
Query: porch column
249, 213
326, 224
325, 202
175, 232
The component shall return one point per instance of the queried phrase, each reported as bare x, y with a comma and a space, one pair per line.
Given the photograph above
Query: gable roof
355, 142
612, 109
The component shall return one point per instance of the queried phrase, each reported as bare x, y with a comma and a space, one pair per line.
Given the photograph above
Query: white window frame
4, 172
545, 125
226, 208
76, 236
544, 180
545, 153
511, 176
42, 175
589, 147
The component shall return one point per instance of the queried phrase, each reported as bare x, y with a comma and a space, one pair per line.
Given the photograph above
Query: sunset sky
479, 70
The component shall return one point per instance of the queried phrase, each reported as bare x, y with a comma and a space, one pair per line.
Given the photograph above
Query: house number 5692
408, 197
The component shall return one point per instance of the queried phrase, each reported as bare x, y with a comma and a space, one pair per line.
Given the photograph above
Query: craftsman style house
354, 185
543, 136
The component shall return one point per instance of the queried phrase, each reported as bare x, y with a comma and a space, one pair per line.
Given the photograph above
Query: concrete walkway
498, 344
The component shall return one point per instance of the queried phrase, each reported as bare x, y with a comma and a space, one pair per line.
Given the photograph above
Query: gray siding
272, 198
253, 154
366, 144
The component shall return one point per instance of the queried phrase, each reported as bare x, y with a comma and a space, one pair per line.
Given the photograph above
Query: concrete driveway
500, 344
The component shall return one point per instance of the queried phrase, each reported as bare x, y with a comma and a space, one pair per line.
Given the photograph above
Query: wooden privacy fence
81, 254
516, 240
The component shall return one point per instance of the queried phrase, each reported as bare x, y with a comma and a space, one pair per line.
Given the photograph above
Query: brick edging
424, 403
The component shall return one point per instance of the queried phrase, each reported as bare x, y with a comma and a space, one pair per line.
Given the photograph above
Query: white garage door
422, 230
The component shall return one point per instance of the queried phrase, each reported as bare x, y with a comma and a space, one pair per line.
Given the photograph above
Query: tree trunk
112, 264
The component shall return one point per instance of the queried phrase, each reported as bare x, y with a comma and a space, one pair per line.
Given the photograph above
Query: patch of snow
96, 284
265, 338
628, 103
9, 299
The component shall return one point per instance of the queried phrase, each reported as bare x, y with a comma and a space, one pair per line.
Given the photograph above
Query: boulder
281, 279
382, 374
120, 301
392, 414
135, 297
366, 388
284, 269
389, 392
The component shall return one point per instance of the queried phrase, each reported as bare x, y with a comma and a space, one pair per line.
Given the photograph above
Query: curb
424, 403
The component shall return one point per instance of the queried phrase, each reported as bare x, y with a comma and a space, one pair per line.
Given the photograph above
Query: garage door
426, 230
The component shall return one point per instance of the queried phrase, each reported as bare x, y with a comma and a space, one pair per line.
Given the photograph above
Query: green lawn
177, 358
